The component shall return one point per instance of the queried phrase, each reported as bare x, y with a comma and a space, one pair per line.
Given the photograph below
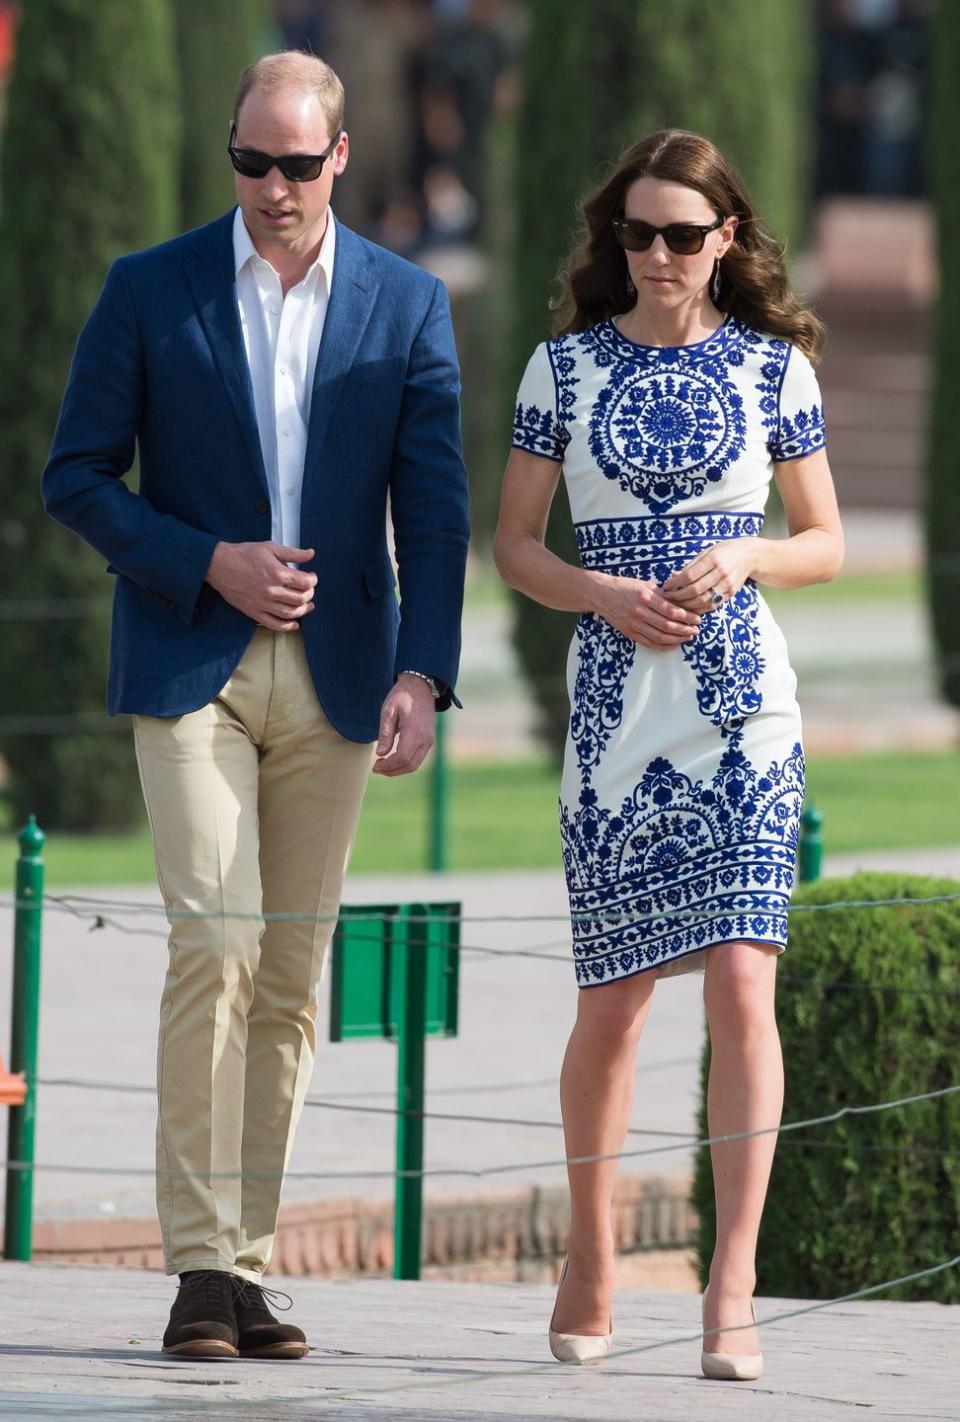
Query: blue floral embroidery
774, 364
665, 435
682, 864
725, 656
563, 364
536, 431
679, 863
604, 658
727, 661
804, 434
658, 546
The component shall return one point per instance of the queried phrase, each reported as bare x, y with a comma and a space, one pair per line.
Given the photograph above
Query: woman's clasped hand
723, 569
669, 615
643, 613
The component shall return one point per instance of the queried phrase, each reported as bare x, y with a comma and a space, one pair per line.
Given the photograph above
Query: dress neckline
718, 340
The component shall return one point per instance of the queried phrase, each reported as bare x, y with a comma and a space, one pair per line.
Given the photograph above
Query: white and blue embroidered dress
683, 773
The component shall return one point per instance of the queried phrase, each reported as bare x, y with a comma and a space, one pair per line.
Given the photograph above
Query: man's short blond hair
294, 71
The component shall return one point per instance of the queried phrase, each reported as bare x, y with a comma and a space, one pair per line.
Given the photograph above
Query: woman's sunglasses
295, 167
684, 238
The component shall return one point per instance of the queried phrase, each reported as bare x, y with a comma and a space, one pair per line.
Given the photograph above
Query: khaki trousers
253, 802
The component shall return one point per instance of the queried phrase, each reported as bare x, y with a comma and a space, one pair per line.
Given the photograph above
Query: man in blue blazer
281, 379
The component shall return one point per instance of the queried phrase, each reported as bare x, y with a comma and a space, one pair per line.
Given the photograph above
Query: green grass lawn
503, 816
900, 586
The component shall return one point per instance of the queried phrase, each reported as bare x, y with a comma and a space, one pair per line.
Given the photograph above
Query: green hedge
878, 1198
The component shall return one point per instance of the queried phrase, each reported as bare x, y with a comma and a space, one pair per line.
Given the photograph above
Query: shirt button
289, 493
283, 370
286, 432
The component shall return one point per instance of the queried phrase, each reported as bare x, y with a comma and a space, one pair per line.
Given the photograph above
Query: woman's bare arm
634, 607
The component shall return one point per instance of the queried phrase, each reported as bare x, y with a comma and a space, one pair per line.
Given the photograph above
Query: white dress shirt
281, 336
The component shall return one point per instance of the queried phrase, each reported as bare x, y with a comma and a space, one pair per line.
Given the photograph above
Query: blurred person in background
280, 377
679, 382
431, 74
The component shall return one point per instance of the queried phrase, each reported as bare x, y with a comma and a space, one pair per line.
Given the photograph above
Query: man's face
278, 212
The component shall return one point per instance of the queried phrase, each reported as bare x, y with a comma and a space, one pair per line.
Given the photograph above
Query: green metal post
25, 1032
811, 844
410, 966
439, 797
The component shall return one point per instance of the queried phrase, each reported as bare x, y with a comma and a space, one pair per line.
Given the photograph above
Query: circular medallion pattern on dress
665, 431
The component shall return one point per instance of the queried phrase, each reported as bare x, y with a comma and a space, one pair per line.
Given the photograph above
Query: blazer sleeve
430, 504
93, 447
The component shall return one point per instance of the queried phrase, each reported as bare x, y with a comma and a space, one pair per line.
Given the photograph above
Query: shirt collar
244, 250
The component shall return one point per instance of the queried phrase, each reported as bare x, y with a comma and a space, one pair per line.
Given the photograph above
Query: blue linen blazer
160, 365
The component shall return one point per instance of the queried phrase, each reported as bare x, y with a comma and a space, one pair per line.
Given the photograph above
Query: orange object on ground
13, 1086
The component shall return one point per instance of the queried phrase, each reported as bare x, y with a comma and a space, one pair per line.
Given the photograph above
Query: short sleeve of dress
536, 427
800, 427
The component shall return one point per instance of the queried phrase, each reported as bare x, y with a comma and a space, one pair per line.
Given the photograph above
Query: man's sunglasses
684, 238
295, 167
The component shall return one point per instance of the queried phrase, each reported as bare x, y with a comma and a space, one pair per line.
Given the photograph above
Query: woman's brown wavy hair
754, 286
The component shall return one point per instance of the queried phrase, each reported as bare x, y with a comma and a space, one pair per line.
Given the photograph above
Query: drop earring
631, 289
715, 283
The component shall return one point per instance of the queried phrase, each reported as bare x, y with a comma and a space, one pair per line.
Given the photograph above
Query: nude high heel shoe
578, 1347
741, 1367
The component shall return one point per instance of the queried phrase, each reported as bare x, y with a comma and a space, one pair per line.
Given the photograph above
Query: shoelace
208, 1281
252, 1294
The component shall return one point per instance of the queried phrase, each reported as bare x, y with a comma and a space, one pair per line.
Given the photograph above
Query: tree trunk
943, 485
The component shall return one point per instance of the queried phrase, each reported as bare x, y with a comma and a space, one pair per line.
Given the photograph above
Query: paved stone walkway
83, 1343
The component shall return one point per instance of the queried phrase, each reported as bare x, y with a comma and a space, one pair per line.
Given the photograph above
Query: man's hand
408, 719
254, 577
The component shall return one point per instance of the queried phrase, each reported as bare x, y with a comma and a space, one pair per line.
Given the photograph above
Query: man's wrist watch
434, 687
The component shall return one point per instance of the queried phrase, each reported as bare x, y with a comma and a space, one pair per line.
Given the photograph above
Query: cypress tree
577, 76
88, 172
943, 487
595, 79
216, 39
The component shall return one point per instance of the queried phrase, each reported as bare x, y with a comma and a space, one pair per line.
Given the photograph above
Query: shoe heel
732, 1367
578, 1348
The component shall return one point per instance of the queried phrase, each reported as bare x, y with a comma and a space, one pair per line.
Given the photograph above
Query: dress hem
652, 967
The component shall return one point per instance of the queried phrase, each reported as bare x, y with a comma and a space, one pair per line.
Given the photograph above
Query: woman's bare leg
596, 1098
744, 1093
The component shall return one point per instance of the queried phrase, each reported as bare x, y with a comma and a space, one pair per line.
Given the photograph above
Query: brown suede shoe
202, 1321
260, 1334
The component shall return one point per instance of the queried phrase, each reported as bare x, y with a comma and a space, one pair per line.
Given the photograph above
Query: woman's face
662, 276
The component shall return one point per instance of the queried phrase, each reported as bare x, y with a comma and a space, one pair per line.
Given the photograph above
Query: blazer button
262, 506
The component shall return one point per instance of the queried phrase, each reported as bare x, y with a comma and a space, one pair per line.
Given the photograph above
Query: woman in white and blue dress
679, 381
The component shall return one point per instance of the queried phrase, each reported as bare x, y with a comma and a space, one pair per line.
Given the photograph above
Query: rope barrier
66, 904
326, 1104
479, 1172
101, 921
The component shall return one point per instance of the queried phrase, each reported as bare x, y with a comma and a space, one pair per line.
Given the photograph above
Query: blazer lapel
352, 296
210, 272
